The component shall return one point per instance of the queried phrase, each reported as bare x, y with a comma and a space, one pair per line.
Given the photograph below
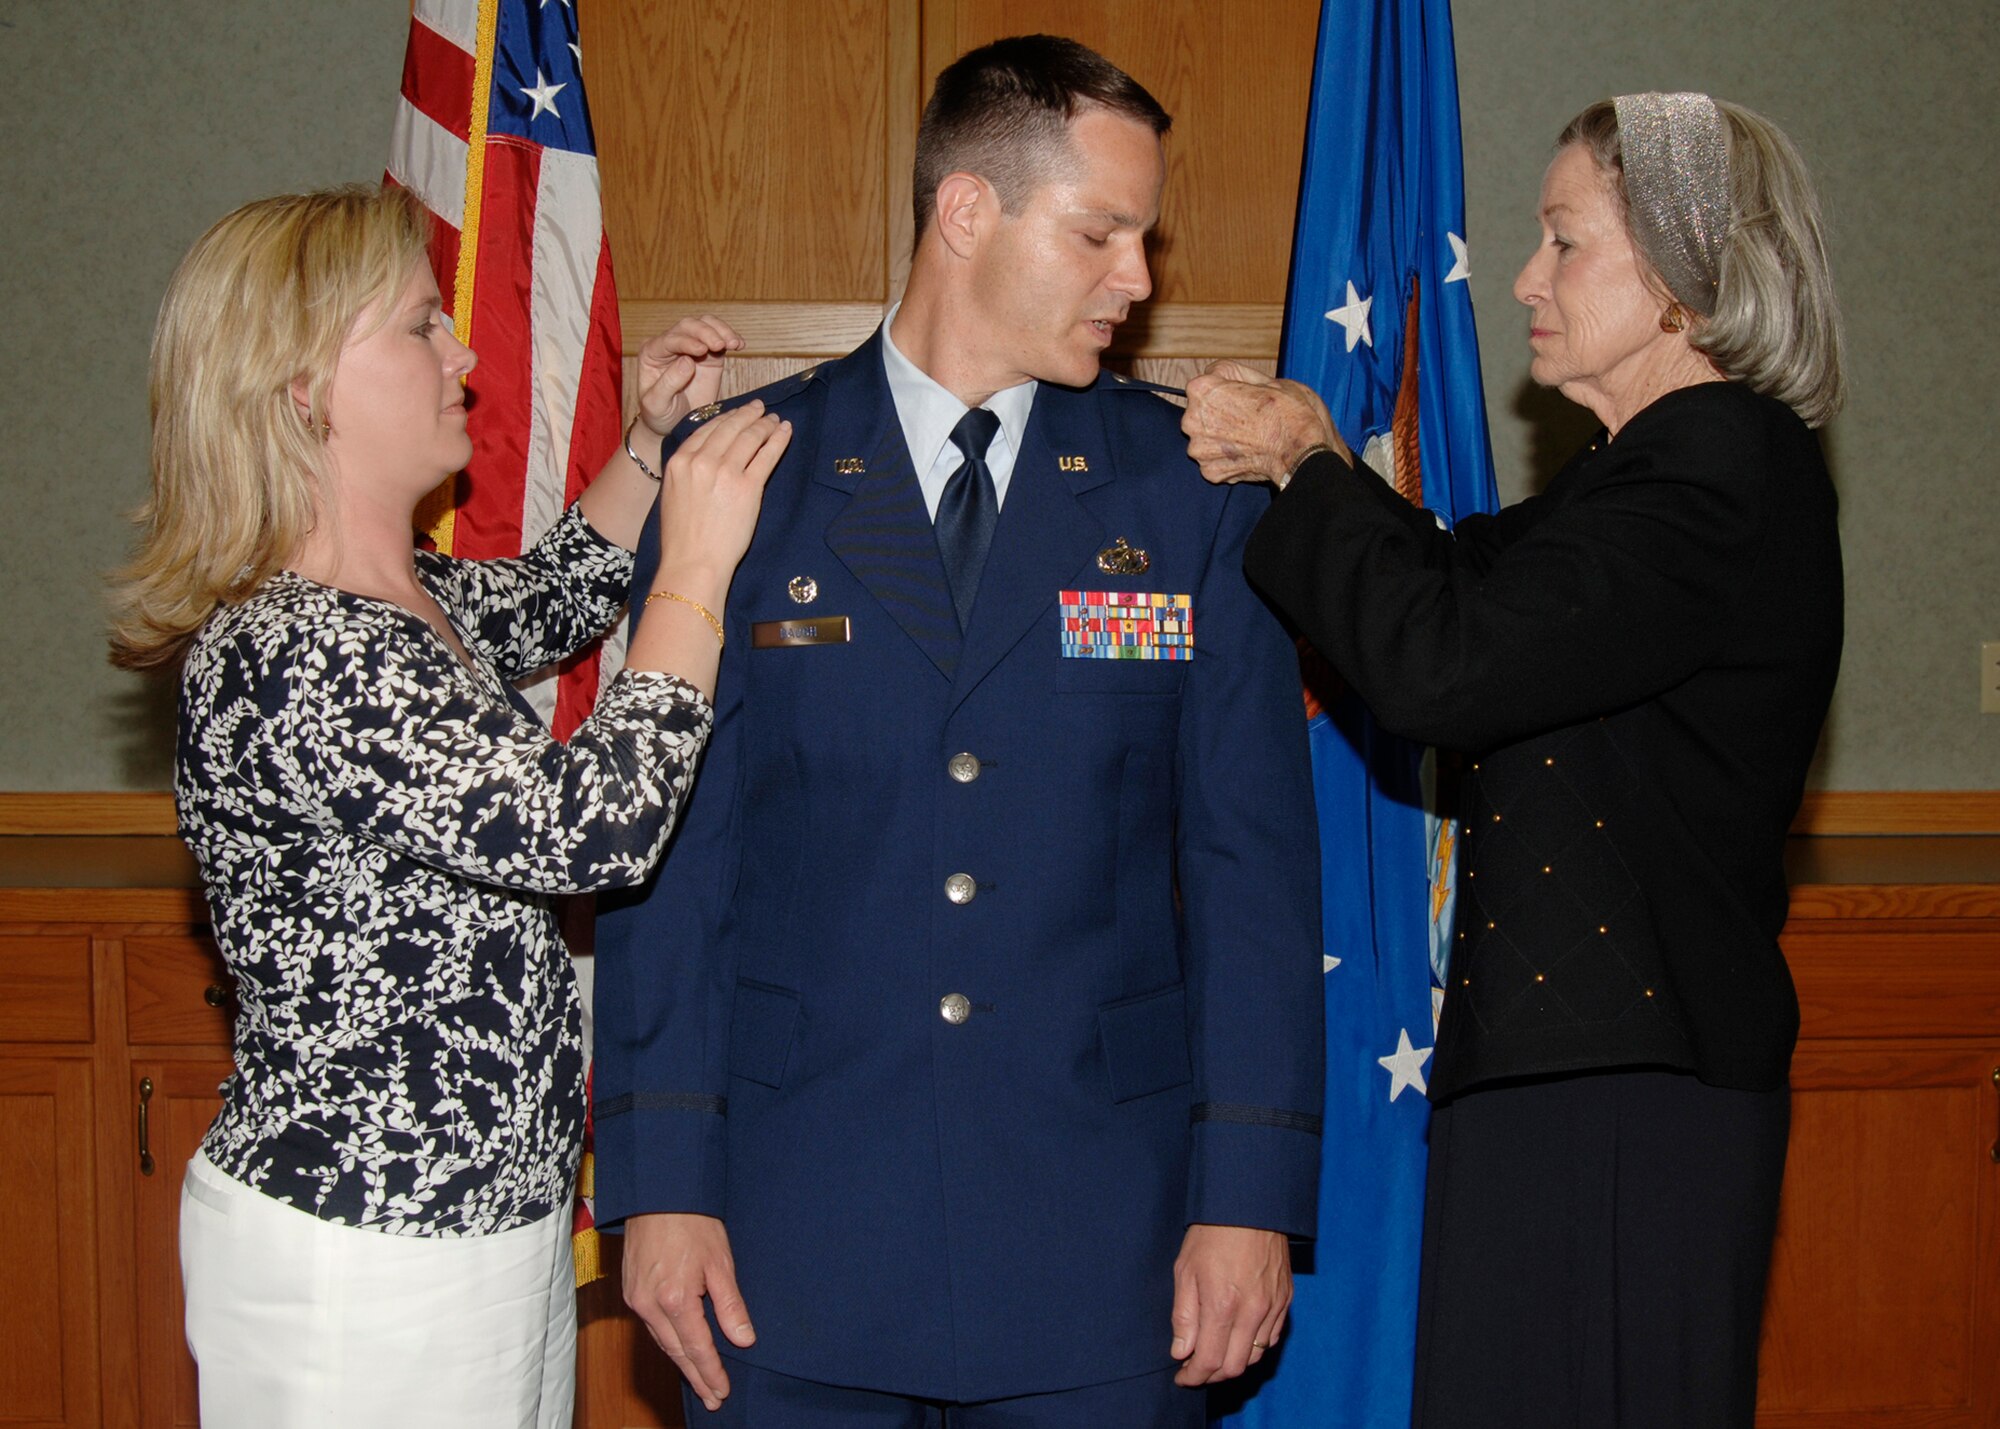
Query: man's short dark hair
1003, 111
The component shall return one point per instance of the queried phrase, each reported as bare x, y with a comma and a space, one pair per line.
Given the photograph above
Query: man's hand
671, 1262
1232, 1287
1244, 426
681, 369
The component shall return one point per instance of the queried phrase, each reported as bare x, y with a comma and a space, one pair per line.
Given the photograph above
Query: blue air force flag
1379, 321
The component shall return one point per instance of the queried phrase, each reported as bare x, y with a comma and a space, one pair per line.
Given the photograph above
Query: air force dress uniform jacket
978, 969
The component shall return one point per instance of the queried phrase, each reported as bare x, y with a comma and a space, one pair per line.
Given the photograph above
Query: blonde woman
375, 1228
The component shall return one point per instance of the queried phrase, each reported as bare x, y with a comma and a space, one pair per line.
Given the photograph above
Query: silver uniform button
963, 767
955, 1007
960, 888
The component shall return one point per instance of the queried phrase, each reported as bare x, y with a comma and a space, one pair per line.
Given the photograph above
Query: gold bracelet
705, 612
637, 460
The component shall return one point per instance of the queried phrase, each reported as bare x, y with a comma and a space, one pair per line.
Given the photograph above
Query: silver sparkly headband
1676, 152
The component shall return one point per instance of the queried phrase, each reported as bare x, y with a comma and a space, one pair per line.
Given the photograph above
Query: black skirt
1595, 1253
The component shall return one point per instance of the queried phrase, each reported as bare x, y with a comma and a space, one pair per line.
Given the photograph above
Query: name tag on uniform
1126, 625
816, 630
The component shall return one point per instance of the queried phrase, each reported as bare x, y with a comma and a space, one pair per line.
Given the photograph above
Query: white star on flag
544, 95
1406, 1066
1328, 962
1461, 269
1354, 317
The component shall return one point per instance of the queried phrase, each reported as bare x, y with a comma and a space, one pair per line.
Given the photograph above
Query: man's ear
965, 207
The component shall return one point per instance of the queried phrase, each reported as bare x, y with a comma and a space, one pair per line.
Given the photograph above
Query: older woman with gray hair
1637, 663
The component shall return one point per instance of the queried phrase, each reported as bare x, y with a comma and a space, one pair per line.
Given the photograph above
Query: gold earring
1674, 318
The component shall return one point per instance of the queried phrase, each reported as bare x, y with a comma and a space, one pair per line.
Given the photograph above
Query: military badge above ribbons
1126, 625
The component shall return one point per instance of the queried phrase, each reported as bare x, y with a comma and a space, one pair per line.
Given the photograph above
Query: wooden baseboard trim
99, 814
1899, 811
1834, 811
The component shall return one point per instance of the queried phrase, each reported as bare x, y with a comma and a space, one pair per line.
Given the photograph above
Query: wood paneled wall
746, 146
756, 161
1236, 78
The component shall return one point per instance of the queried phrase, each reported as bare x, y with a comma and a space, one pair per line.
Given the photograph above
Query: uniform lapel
1045, 534
883, 534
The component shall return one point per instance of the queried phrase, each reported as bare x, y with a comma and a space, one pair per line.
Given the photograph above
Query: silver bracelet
1305, 456
637, 460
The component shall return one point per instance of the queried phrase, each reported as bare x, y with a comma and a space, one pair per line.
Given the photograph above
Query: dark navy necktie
968, 510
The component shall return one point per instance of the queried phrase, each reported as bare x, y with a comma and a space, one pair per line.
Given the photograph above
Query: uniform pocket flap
1145, 1043
761, 1028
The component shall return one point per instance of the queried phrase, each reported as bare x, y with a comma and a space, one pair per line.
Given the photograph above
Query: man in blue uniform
963, 1063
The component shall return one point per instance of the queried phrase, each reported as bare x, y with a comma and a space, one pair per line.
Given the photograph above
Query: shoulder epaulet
771, 394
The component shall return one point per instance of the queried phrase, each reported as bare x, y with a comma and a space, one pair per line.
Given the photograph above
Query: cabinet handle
215, 994
145, 1107
1996, 1088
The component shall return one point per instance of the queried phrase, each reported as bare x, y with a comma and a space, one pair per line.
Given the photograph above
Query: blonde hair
258, 309
1776, 326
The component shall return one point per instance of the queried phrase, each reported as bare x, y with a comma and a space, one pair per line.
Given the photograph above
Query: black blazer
1638, 661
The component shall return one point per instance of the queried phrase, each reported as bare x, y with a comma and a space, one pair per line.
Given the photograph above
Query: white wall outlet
1989, 677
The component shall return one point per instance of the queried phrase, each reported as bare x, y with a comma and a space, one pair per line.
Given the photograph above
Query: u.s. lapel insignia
849, 466
1120, 559
702, 414
1072, 463
803, 589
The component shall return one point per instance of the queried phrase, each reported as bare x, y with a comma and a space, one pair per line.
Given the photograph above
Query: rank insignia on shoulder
849, 465
803, 589
1125, 625
702, 414
1120, 559
1140, 384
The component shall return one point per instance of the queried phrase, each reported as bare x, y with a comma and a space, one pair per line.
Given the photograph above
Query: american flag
493, 134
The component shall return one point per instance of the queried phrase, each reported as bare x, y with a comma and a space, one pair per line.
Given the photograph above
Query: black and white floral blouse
377, 826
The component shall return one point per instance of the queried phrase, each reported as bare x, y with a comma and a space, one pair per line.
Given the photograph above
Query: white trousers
298, 1324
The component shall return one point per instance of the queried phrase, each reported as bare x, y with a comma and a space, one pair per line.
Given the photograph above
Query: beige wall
780, 174
129, 127
1893, 106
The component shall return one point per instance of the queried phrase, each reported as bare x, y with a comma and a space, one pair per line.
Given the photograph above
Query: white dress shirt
928, 413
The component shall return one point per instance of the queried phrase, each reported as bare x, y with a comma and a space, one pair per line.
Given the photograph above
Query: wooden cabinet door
180, 1101
49, 1356
1884, 1304
623, 1380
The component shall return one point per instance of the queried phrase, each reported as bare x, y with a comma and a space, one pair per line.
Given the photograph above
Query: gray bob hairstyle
1776, 324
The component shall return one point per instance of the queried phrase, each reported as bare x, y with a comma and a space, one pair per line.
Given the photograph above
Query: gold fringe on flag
586, 1243
586, 1249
